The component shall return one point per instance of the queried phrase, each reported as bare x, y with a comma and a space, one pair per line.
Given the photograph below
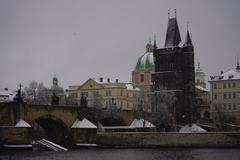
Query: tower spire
173, 37
155, 43
188, 40
238, 67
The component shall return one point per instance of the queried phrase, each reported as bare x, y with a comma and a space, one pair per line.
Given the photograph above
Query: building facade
174, 74
225, 96
105, 93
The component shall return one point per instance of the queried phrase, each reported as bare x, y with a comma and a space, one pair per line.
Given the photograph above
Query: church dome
146, 60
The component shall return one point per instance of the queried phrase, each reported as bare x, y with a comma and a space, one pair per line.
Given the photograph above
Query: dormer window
230, 76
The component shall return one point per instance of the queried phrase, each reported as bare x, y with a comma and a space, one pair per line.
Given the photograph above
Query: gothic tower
174, 74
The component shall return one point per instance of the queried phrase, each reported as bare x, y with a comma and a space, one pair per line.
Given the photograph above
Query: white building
225, 96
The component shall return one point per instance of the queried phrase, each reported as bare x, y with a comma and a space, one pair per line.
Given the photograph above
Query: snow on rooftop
83, 124
22, 123
201, 88
232, 74
130, 87
140, 123
191, 129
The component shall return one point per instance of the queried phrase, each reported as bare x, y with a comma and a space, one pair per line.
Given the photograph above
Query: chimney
116, 80
108, 80
101, 79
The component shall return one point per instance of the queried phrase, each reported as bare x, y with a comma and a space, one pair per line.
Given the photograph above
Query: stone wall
14, 135
211, 139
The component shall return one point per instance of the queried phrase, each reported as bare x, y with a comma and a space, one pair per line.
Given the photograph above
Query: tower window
142, 78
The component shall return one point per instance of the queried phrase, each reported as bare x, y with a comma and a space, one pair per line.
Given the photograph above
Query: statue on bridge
83, 101
18, 97
55, 99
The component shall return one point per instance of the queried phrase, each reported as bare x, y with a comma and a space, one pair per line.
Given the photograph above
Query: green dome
145, 61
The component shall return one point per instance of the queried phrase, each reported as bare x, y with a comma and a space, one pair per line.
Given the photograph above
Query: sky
81, 39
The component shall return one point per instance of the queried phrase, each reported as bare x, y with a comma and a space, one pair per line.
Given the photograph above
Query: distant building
174, 73
202, 96
105, 93
225, 96
57, 91
200, 77
202, 104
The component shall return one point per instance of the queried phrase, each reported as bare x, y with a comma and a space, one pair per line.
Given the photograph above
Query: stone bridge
54, 122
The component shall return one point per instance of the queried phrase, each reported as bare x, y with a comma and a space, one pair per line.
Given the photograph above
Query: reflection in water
127, 154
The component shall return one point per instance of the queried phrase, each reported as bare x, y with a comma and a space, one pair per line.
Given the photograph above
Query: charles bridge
55, 121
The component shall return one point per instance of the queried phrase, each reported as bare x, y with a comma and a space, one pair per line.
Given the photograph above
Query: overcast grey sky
79, 39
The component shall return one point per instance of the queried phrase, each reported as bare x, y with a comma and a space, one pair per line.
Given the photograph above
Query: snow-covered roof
83, 124
232, 74
202, 89
130, 87
140, 123
22, 123
191, 129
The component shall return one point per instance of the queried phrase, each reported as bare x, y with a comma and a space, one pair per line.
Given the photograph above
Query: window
234, 85
121, 92
229, 106
224, 106
224, 85
224, 96
215, 86
234, 107
229, 85
141, 78
234, 95
73, 95
229, 95
85, 94
215, 96
108, 93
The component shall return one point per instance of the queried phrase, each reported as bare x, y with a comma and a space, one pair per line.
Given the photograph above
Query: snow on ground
191, 129
22, 123
140, 123
83, 124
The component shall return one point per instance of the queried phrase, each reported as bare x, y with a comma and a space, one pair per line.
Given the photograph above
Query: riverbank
169, 139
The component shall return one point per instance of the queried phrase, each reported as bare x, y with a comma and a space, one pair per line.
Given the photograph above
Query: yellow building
105, 93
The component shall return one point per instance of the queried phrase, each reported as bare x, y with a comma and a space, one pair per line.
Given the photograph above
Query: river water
127, 154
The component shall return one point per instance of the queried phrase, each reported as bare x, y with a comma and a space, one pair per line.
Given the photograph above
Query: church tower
174, 74
200, 77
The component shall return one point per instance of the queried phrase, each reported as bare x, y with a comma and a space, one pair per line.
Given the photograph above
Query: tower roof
173, 37
188, 40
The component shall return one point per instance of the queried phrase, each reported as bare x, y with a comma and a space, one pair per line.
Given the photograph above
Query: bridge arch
112, 120
52, 128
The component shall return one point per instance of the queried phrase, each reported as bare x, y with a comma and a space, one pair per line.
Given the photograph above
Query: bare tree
36, 93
